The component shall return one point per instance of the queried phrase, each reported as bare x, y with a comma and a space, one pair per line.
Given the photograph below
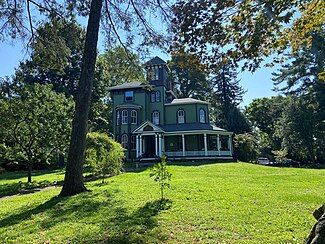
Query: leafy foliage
264, 114
104, 155
35, 125
55, 57
246, 147
117, 66
161, 175
189, 75
297, 129
241, 30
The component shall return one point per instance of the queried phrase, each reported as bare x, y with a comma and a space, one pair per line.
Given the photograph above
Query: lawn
212, 203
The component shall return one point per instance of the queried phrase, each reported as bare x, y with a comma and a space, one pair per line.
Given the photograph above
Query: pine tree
226, 97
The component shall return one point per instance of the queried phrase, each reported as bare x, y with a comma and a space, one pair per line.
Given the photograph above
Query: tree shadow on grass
25, 188
114, 223
137, 227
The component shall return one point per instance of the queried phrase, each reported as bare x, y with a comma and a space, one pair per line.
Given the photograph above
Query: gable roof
155, 61
145, 124
186, 101
129, 85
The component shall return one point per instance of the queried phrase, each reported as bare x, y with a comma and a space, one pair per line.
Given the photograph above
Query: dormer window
202, 115
180, 116
128, 96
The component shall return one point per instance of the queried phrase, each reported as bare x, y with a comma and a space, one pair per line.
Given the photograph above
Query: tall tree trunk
29, 172
73, 181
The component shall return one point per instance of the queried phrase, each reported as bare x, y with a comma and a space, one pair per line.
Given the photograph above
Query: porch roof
191, 127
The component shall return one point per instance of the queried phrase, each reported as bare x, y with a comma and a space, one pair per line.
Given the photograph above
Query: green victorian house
150, 121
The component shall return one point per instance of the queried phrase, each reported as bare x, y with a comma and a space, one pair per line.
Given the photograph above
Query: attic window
128, 96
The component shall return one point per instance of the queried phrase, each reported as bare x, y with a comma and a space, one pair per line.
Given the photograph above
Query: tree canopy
35, 125
246, 31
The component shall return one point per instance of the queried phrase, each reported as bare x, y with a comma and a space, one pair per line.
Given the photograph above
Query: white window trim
181, 118
156, 118
153, 97
157, 96
202, 116
132, 117
133, 142
118, 117
124, 140
124, 117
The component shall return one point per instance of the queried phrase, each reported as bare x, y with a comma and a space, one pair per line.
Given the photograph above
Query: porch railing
197, 153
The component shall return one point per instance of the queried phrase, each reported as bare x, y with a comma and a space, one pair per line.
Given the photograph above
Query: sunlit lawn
224, 202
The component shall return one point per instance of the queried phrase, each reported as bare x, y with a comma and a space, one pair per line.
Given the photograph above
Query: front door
149, 147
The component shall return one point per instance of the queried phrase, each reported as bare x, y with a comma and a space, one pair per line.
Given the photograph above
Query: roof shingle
129, 85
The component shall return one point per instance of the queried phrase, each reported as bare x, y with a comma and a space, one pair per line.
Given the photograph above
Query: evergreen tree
226, 97
303, 76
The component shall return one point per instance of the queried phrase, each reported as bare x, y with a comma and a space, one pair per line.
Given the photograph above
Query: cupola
157, 72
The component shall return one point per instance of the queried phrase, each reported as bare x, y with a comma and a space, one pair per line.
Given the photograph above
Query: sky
257, 84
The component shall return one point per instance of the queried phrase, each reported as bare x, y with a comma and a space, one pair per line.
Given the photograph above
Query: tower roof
155, 61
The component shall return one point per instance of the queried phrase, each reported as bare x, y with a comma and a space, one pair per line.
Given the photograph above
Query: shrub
104, 156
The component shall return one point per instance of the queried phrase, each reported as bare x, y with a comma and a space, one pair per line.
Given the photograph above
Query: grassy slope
211, 203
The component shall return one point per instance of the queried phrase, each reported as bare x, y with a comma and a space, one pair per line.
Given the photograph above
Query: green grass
16, 182
215, 203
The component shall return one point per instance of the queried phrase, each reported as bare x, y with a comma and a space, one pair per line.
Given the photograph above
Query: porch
193, 145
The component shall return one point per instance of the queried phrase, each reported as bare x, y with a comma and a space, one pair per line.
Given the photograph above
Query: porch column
205, 145
137, 146
230, 144
183, 142
163, 144
160, 145
218, 140
140, 146
156, 143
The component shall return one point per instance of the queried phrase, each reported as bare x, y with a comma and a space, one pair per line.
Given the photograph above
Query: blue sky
258, 84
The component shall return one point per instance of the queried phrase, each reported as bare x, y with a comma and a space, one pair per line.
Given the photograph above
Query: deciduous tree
189, 75
35, 125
